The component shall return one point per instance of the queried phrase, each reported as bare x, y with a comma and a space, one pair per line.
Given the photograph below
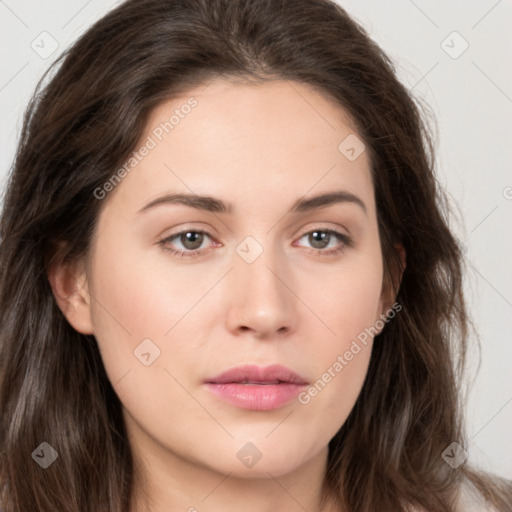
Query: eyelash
346, 242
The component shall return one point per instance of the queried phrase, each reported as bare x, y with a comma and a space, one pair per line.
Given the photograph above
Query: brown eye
185, 243
327, 241
319, 239
191, 240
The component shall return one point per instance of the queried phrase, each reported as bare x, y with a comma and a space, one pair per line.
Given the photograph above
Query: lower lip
256, 397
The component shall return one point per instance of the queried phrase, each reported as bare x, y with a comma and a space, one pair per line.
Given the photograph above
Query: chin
256, 459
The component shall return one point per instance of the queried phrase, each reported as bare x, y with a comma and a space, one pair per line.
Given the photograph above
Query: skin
261, 148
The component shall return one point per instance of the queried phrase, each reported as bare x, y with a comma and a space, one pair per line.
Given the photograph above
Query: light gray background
471, 95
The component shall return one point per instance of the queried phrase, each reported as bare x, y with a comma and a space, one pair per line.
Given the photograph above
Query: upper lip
251, 374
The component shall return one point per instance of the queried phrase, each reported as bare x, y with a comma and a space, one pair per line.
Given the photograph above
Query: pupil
193, 238
320, 237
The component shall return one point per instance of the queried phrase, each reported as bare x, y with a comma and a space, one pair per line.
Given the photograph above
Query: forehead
275, 140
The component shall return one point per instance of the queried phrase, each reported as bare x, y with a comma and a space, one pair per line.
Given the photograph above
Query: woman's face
244, 240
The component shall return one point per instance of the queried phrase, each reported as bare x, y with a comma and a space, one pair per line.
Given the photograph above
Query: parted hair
87, 115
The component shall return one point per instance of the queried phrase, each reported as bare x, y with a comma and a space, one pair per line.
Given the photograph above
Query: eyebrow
212, 204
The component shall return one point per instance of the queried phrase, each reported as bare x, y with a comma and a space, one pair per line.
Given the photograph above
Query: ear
70, 289
391, 284
402, 256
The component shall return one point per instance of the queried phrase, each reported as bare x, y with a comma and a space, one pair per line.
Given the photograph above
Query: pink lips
256, 388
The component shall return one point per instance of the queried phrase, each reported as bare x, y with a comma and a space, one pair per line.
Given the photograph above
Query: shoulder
471, 500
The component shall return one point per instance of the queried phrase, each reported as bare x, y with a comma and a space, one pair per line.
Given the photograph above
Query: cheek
349, 304
141, 309
134, 300
351, 313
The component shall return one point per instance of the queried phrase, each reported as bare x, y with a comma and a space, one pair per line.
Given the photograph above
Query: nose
261, 302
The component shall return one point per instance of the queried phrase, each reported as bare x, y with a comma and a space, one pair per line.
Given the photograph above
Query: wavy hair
87, 115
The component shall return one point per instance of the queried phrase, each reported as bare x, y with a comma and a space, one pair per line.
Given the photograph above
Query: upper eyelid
344, 239
333, 231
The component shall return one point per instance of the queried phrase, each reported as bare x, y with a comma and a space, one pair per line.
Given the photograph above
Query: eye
188, 243
191, 240
327, 241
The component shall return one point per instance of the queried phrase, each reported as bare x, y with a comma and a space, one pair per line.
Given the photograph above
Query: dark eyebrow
207, 203
324, 200
211, 204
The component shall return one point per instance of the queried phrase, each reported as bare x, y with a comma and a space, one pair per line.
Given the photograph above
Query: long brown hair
82, 124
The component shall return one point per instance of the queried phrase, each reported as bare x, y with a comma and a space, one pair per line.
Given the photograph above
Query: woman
227, 277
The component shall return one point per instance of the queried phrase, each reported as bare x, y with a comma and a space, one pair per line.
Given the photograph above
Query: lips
250, 374
257, 388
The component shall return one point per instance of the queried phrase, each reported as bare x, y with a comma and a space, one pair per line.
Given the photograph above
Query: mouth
257, 388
